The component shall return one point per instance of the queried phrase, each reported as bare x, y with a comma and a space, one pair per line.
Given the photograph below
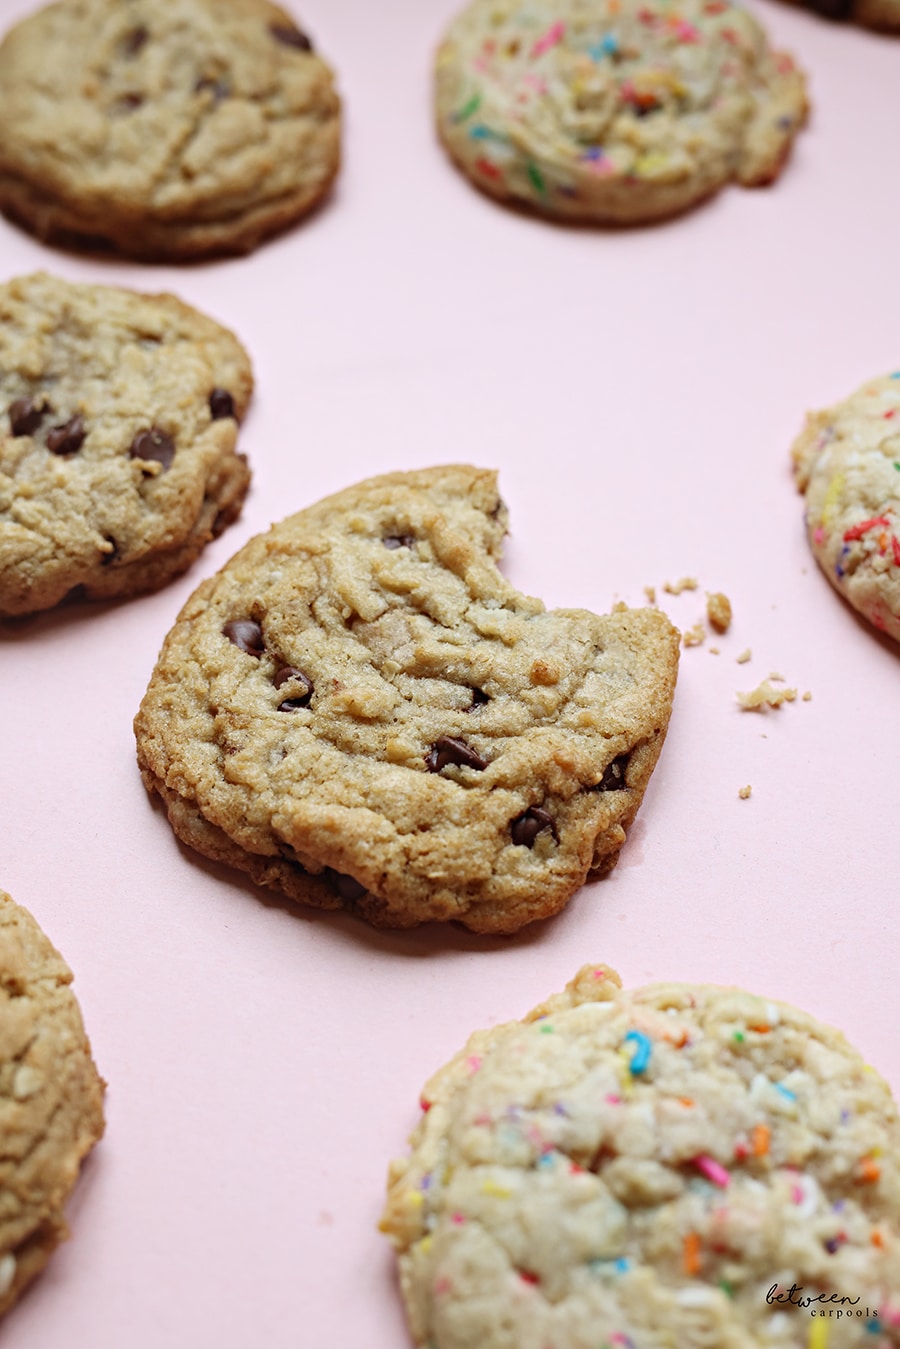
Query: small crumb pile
744, 792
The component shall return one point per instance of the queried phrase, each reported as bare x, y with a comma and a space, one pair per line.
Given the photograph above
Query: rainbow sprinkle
641, 1056
713, 1171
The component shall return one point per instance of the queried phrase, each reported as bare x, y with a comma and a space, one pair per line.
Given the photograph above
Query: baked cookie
359, 710
655, 1169
879, 14
51, 1099
847, 461
616, 111
165, 129
118, 424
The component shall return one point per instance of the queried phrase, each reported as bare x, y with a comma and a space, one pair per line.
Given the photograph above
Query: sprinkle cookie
164, 129
678, 1167
847, 461
118, 425
615, 111
359, 710
51, 1099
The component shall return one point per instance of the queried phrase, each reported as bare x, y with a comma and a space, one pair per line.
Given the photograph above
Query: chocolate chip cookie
678, 1167
847, 461
118, 425
879, 14
614, 112
359, 710
164, 129
51, 1099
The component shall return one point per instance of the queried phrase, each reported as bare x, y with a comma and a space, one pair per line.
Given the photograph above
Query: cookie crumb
694, 636
807, 697
686, 583
718, 611
650, 592
744, 792
765, 695
620, 607
714, 651
776, 677
745, 655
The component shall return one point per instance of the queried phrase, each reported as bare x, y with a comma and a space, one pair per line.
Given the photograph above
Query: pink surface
639, 392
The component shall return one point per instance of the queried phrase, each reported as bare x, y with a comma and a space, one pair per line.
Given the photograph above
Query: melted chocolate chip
613, 779
112, 555
526, 827
394, 541
134, 40
68, 438
221, 404
288, 674
448, 749
479, 698
26, 415
344, 886
246, 635
153, 445
290, 36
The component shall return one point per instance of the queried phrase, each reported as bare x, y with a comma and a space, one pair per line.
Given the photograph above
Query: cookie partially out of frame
879, 14
118, 425
51, 1099
847, 462
164, 129
676, 1167
614, 111
360, 710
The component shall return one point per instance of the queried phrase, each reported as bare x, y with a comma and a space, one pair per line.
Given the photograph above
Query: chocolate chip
832, 1245
479, 698
219, 89
344, 886
290, 36
831, 9
287, 674
112, 555
246, 635
68, 438
26, 415
448, 749
221, 404
495, 513
134, 40
394, 541
526, 827
153, 445
128, 102
613, 779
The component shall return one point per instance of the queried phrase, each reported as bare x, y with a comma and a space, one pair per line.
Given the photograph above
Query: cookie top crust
617, 111
51, 1098
847, 462
164, 128
651, 1169
359, 708
118, 426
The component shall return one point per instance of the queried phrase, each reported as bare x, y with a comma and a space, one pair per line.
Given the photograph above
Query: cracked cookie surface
118, 426
51, 1098
165, 129
359, 710
847, 462
651, 1169
615, 111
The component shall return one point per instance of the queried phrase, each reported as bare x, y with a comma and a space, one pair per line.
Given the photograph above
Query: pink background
639, 392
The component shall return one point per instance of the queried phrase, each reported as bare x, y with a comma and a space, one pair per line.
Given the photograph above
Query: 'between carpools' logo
835, 1305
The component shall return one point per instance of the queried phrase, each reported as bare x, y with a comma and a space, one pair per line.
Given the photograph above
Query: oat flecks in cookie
396, 728
164, 129
51, 1099
118, 462
640, 1169
615, 113
847, 462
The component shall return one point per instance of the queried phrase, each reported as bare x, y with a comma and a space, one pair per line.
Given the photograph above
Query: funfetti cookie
118, 426
615, 111
51, 1099
165, 129
847, 462
676, 1167
360, 710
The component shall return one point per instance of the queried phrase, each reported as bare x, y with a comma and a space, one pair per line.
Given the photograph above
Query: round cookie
615, 111
883, 15
677, 1167
164, 129
360, 710
847, 461
51, 1099
118, 425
